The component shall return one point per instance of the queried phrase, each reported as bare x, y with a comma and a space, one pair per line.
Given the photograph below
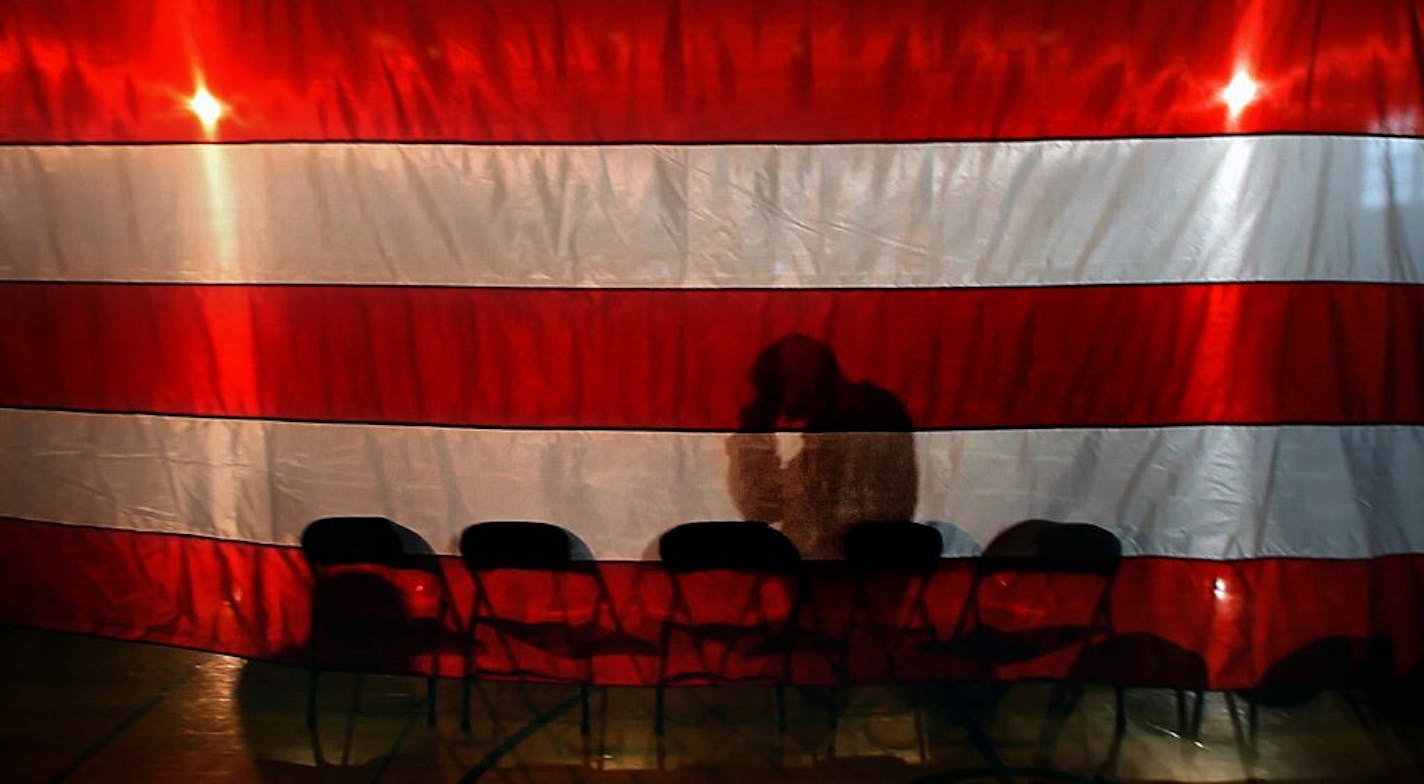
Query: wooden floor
88, 710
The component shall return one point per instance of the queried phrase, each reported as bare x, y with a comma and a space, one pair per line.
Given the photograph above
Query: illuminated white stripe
1211, 492
978, 214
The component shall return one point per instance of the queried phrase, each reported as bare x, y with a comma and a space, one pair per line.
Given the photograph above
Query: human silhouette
857, 452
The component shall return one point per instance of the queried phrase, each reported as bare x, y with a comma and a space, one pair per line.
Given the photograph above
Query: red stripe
642, 70
253, 600
679, 359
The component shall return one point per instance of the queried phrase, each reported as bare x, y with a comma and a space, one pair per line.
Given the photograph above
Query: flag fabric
1154, 267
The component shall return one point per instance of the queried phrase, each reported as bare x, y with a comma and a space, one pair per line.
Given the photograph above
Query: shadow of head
797, 376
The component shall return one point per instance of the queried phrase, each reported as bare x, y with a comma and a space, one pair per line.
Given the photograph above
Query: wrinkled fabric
1199, 492
1154, 268
679, 216
1232, 621
654, 71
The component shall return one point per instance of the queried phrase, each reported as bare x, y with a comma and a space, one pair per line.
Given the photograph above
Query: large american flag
1155, 266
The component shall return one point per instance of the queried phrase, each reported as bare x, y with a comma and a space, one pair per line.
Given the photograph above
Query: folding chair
536, 587
369, 573
1017, 580
1054, 557
891, 564
733, 582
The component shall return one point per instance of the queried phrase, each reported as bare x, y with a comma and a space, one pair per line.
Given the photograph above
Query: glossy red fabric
252, 600
1024, 357
705, 71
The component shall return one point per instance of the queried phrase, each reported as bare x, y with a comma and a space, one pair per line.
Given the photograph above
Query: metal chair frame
368, 541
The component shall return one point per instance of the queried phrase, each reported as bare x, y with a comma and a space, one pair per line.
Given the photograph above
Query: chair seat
601, 641
801, 641
1141, 661
990, 646
575, 641
719, 630
881, 630
380, 646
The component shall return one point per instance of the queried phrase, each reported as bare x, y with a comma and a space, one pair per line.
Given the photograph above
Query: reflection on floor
81, 709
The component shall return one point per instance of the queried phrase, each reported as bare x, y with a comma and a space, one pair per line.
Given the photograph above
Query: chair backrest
531, 572
893, 546
752, 547
893, 564
1141, 660
1047, 563
358, 604
520, 544
373, 606
732, 573
1052, 547
351, 541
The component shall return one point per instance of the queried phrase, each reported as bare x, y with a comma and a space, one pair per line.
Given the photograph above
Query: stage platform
81, 709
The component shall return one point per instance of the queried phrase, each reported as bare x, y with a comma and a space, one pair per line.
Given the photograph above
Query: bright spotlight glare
1241, 91
208, 108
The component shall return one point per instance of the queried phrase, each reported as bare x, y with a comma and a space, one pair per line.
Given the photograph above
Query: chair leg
1357, 707
833, 720
1243, 743
780, 708
465, 703
1245, 738
312, 677
917, 716
430, 700
1061, 701
1064, 698
1197, 716
1120, 705
583, 710
977, 737
658, 710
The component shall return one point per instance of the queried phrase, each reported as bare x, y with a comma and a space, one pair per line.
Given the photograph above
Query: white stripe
1023, 213
1212, 492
